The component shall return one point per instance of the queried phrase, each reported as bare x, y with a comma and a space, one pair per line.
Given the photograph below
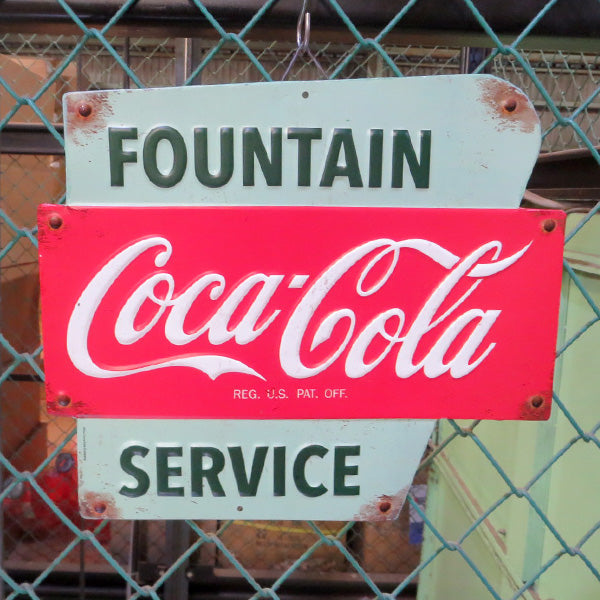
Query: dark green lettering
223, 175
375, 157
279, 471
164, 471
341, 470
210, 473
247, 486
341, 138
174, 175
305, 136
117, 156
143, 481
300, 471
252, 146
419, 169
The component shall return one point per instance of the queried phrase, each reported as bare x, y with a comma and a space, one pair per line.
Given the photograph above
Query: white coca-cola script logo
385, 252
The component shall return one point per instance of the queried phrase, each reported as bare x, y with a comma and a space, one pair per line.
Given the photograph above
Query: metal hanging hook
303, 40
303, 27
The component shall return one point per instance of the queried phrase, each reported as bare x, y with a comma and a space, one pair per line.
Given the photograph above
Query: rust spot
507, 105
98, 506
383, 508
86, 115
537, 407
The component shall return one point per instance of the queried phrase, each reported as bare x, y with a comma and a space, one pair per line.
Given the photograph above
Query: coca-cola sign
300, 312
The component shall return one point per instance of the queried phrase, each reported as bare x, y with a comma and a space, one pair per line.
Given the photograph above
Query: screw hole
55, 221
385, 506
305, 94
537, 401
85, 110
549, 225
63, 400
510, 105
100, 509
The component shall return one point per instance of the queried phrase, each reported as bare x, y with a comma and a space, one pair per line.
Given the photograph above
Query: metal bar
24, 377
188, 55
574, 172
177, 540
182, 60
196, 55
208, 581
81, 570
565, 19
127, 58
29, 138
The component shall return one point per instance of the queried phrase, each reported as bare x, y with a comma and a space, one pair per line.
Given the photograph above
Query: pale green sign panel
298, 469
453, 141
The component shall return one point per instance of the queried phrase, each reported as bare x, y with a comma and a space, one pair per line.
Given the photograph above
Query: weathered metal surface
462, 141
290, 469
300, 312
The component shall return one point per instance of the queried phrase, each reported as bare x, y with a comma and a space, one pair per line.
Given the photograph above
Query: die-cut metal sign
300, 312
271, 327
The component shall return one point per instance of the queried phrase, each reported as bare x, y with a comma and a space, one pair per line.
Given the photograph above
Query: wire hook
303, 27
303, 40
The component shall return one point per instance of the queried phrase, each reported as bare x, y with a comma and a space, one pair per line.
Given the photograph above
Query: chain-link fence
498, 510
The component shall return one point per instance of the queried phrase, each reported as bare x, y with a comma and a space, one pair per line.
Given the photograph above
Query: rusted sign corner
98, 506
383, 508
508, 106
86, 114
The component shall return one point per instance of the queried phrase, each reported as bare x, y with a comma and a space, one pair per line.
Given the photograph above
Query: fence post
177, 539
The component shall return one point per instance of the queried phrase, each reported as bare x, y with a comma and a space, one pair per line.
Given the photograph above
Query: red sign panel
300, 312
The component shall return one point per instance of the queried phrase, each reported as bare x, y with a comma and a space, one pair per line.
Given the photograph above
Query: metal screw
536, 401
240, 508
510, 105
63, 400
549, 225
55, 221
305, 94
85, 110
100, 508
385, 506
